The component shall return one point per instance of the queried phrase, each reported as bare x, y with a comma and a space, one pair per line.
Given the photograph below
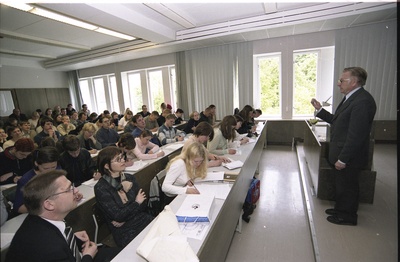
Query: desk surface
199, 246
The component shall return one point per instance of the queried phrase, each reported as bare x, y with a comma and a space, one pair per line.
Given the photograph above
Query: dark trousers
347, 192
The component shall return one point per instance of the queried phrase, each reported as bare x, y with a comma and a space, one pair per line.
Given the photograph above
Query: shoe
341, 221
331, 211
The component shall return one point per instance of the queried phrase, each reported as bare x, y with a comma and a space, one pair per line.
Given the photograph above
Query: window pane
113, 94
269, 79
100, 95
86, 94
156, 88
133, 93
305, 83
173, 86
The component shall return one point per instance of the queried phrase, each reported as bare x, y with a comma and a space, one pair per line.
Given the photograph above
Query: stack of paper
195, 208
233, 164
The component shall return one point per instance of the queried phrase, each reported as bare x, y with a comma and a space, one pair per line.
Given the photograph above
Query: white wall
15, 77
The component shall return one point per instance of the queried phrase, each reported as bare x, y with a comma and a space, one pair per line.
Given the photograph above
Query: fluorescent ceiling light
65, 19
62, 18
113, 33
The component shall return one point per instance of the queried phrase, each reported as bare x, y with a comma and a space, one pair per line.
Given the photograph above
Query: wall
35, 87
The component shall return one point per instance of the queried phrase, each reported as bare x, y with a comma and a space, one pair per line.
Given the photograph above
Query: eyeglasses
71, 189
118, 159
342, 80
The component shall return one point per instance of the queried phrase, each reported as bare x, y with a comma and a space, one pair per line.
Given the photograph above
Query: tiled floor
279, 229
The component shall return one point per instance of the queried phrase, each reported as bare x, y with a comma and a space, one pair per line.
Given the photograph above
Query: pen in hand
191, 189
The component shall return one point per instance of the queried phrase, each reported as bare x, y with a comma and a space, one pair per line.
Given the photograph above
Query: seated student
65, 127
130, 127
240, 139
3, 210
183, 169
163, 115
127, 143
41, 237
16, 161
14, 133
151, 121
74, 119
223, 134
192, 123
125, 119
114, 120
34, 120
82, 119
106, 135
119, 197
26, 129
139, 123
47, 130
145, 149
167, 133
70, 110
248, 125
204, 132
77, 161
3, 138
179, 113
207, 116
144, 113
16, 114
57, 119
87, 140
44, 160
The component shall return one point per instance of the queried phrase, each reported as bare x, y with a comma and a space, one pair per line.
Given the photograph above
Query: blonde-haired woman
87, 139
184, 169
125, 119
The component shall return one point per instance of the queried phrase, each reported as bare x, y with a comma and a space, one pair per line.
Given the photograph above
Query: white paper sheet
219, 190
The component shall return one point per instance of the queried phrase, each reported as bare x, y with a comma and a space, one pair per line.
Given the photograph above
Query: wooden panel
282, 132
58, 96
31, 99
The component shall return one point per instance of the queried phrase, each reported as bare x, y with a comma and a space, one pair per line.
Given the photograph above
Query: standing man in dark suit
349, 143
49, 197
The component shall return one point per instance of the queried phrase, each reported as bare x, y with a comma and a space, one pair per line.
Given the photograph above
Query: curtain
374, 48
208, 76
75, 91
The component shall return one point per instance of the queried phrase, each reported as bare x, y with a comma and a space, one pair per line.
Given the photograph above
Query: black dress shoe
331, 211
341, 221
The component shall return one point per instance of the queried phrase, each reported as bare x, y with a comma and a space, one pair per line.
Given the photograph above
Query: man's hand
316, 104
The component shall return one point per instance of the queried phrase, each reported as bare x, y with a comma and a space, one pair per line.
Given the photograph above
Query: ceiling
162, 28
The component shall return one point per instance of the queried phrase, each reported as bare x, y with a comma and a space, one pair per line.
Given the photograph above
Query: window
312, 77
133, 92
269, 74
150, 87
305, 82
100, 93
156, 88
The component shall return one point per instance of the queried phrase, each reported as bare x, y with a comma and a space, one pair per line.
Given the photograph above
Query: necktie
341, 103
72, 243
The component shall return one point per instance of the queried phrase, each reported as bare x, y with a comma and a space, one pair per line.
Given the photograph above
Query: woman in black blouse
119, 197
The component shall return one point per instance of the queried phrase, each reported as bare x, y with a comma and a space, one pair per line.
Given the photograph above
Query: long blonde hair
188, 155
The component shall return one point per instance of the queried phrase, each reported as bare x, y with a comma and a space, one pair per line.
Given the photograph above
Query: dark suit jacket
39, 241
350, 129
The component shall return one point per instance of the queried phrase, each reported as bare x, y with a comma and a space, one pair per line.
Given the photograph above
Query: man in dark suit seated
49, 197
349, 144
16, 114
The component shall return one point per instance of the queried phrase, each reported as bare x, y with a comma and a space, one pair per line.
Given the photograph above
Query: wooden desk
225, 214
316, 150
